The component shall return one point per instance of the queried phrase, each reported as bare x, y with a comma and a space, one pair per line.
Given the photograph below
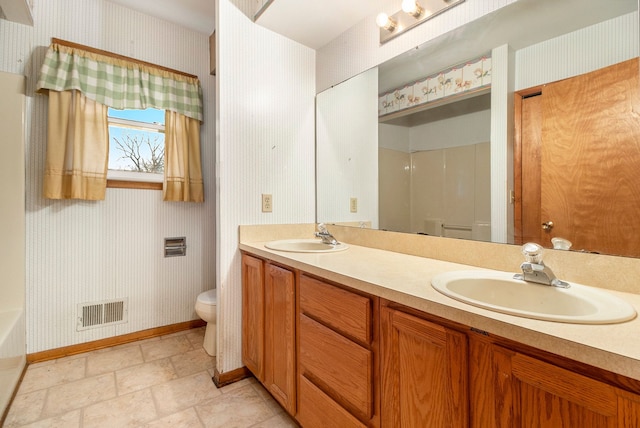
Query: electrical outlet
267, 203
353, 205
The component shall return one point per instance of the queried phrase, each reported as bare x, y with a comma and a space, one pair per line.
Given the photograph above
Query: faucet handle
532, 252
322, 228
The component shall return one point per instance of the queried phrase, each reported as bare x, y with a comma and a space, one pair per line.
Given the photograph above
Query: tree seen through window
136, 140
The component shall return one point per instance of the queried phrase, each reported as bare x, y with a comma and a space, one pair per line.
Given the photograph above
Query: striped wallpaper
579, 52
266, 90
79, 251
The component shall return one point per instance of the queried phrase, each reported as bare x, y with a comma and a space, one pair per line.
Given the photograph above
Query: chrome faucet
323, 233
534, 269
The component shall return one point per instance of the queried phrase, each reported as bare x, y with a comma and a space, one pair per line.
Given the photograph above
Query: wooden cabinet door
424, 373
280, 364
253, 315
532, 393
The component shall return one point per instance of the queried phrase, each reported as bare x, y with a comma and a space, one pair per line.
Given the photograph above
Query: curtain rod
121, 57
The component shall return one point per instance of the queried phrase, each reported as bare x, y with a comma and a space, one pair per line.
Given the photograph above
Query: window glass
136, 145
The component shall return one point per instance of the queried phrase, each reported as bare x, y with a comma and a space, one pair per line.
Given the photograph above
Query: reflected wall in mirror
547, 41
347, 150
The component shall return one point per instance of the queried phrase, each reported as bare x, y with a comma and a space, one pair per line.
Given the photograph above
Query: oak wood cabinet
529, 392
253, 322
424, 373
268, 345
337, 356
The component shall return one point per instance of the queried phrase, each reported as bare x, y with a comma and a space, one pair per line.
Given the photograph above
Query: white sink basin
305, 246
498, 291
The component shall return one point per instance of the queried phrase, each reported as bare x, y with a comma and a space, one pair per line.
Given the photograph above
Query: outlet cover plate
353, 205
267, 203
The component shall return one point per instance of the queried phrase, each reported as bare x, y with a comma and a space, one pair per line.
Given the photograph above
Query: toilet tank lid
208, 297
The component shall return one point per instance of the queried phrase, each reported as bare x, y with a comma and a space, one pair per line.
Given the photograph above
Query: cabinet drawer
341, 367
317, 410
343, 311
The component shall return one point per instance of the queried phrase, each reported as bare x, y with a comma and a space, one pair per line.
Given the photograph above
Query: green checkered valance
119, 83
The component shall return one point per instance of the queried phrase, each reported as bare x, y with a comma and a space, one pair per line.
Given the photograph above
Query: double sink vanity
356, 335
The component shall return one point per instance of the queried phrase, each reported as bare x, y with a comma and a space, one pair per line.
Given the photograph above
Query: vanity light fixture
413, 13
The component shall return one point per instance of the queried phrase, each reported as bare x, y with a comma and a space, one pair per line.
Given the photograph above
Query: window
136, 145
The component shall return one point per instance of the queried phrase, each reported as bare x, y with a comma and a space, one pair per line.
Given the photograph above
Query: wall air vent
175, 247
100, 314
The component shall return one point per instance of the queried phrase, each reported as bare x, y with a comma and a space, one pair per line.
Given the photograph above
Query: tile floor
159, 382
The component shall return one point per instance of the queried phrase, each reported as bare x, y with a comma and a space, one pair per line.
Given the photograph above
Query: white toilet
206, 309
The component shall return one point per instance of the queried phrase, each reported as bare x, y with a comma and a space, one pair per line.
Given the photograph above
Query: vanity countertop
406, 279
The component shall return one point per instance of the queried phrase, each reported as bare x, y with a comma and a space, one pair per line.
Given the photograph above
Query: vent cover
175, 246
100, 314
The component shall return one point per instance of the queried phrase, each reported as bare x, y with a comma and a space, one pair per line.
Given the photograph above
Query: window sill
129, 184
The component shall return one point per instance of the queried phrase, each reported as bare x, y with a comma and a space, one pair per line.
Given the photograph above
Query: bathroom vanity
360, 338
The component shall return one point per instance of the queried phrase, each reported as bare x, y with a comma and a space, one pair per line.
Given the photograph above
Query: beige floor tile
68, 420
131, 410
113, 359
268, 399
64, 398
116, 387
144, 375
242, 407
26, 408
196, 336
192, 362
166, 347
185, 419
185, 392
279, 421
239, 384
48, 375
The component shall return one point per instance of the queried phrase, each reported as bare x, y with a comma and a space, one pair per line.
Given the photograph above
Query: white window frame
143, 177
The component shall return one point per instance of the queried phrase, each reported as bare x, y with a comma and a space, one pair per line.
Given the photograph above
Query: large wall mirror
446, 167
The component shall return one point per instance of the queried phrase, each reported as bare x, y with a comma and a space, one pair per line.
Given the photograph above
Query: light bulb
412, 8
382, 19
408, 5
385, 22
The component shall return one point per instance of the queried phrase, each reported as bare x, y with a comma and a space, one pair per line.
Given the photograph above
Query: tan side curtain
182, 166
77, 147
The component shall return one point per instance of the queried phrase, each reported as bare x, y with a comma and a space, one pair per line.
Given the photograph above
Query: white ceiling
198, 15
310, 22
315, 23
